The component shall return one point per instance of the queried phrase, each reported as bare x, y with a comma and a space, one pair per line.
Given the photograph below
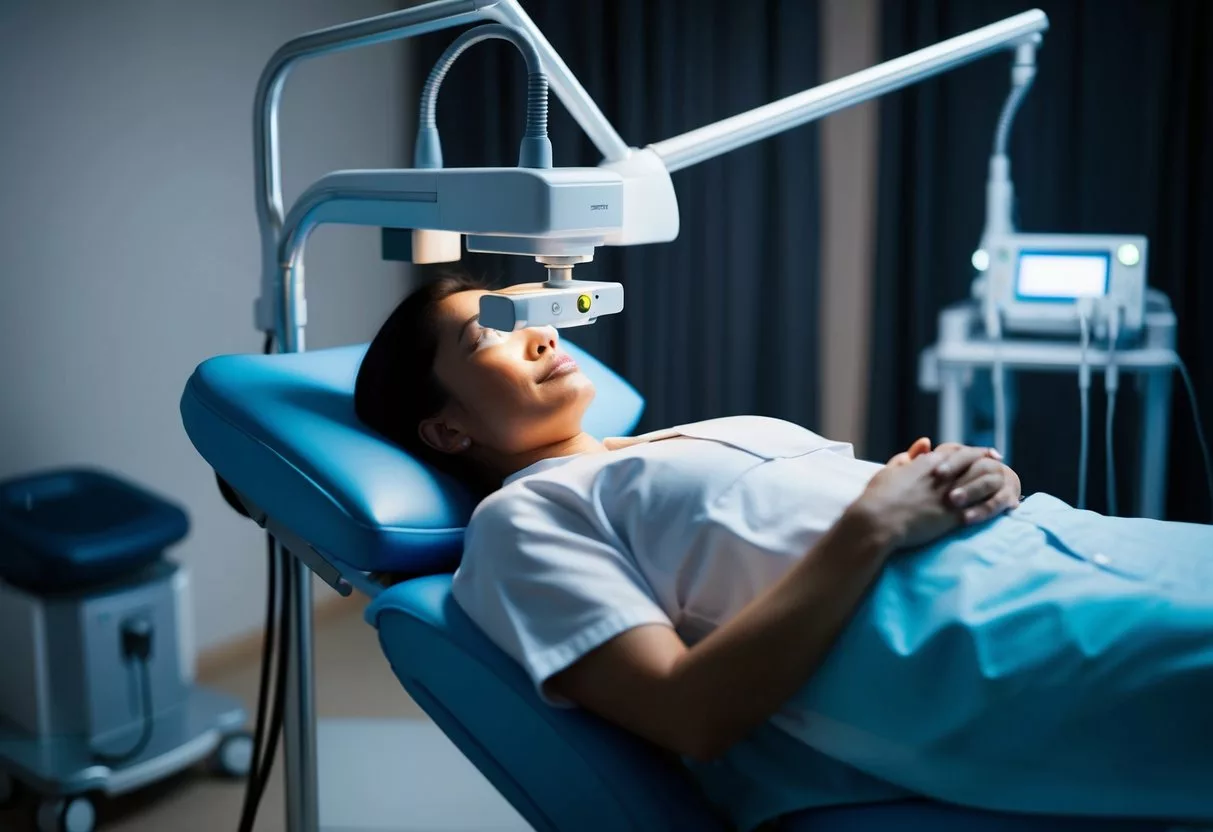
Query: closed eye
486, 336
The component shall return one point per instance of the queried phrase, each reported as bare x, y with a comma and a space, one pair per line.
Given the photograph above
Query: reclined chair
281, 431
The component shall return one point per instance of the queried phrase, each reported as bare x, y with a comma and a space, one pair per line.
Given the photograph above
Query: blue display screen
1062, 275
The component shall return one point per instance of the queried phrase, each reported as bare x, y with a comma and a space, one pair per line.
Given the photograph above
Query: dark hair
397, 388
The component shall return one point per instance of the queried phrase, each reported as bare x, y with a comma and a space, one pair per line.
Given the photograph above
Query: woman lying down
802, 627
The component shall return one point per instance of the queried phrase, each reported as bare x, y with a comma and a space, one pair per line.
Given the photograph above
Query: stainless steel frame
281, 307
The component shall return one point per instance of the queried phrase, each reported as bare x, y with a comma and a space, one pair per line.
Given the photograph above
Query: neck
581, 443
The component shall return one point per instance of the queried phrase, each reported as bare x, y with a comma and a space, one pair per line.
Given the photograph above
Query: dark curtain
722, 320
1115, 136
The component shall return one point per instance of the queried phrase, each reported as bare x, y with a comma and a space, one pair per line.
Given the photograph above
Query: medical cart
950, 366
97, 693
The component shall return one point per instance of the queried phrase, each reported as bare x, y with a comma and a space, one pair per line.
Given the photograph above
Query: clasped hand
924, 493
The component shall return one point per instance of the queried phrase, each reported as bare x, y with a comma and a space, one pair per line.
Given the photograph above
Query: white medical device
1036, 281
576, 304
558, 216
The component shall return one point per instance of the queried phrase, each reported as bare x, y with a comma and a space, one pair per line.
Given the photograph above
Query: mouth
562, 366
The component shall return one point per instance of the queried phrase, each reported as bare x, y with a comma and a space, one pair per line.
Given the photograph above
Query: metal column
299, 719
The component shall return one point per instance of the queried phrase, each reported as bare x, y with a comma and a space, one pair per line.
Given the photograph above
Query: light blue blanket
1052, 661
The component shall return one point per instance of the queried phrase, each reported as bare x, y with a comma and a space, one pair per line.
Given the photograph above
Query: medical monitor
1035, 281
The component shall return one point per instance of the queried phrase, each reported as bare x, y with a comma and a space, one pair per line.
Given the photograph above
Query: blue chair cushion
561, 769
281, 430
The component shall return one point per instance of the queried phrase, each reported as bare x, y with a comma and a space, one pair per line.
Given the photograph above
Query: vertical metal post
951, 405
299, 719
1156, 421
955, 324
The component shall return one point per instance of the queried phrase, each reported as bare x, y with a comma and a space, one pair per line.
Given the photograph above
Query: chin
579, 392
585, 393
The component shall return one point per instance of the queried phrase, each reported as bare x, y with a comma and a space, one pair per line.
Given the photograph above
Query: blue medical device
97, 692
343, 502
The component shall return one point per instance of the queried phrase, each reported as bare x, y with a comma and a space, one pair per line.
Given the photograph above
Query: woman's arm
698, 701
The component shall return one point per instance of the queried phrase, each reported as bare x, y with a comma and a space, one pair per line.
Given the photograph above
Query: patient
799, 626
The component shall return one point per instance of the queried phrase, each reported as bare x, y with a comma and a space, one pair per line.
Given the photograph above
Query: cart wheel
73, 814
8, 789
234, 756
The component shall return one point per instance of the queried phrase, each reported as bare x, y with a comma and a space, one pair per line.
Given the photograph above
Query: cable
284, 650
260, 774
145, 736
1111, 460
997, 380
1084, 400
1000, 406
136, 639
251, 790
1111, 384
277, 606
1200, 431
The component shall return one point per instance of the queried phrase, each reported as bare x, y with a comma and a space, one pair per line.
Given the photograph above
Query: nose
541, 339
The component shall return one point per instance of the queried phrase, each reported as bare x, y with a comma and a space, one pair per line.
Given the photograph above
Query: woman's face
511, 392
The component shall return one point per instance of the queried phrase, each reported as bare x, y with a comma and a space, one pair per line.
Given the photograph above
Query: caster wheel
8, 789
73, 814
234, 756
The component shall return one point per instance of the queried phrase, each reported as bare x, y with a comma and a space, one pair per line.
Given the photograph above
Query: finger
921, 446
976, 491
952, 447
902, 458
990, 508
984, 465
957, 462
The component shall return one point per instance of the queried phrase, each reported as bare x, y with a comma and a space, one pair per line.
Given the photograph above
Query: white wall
129, 243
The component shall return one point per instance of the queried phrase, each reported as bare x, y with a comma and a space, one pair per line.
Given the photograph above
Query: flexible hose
536, 105
536, 150
1007, 117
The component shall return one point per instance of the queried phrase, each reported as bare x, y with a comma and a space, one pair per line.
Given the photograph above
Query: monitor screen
1053, 275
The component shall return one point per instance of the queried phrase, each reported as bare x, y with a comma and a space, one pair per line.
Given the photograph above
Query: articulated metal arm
431, 17
739, 130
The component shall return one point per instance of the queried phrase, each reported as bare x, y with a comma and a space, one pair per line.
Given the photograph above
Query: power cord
268, 728
998, 380
266, 711
137, 646
1111, 384
1200, 431
1084, 401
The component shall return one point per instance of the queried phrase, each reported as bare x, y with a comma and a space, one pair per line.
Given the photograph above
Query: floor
346, 649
